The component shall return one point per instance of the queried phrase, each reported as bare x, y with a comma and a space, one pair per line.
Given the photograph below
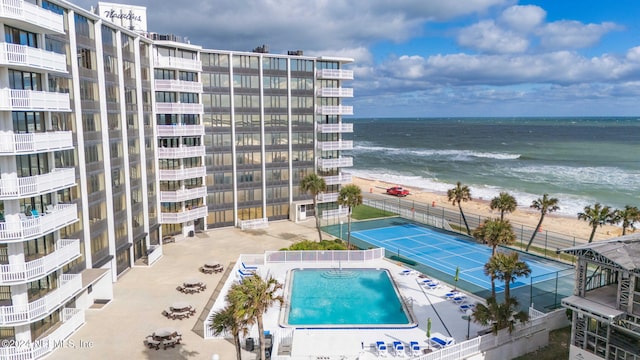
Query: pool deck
117, 330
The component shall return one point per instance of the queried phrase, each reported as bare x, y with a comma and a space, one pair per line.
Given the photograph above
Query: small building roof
622, 251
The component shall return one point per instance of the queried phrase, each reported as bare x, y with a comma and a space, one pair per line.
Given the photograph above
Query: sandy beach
523, 214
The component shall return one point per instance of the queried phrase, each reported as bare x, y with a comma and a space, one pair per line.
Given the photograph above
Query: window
85, 58
164, 74
84, 27
129, 69
20, 37
107, 36
110, 64
190, 98
23, 80
188, 76
52, 7
28, 122
165, 96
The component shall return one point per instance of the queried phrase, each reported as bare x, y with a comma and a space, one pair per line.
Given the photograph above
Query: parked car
398, 191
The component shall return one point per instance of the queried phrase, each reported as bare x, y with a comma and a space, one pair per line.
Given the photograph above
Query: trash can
192, 233
249, 344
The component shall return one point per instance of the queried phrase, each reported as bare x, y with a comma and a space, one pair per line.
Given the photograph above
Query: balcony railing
335, 145
183, 216
181, 152
335, 128
183, 194
70, 284
334, 92
30, 100
327, 197
31, 14
65, 252
335, 110
20, 187
338, 74
22, 55
11, 143
72, 319
337, 179
27, 228
179, 108
342, 161
180, 130
182, 174
172, 62
178, 85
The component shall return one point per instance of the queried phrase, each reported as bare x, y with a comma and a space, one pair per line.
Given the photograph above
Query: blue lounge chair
465, 307
245, 273
35, 213
248, 268
440, 341
398, 348
382, 348
415, 348
459, 299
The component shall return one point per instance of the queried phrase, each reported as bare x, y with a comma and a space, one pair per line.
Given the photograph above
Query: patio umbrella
455, 278
428, 331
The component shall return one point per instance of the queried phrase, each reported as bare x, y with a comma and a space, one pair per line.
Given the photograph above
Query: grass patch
336, 244
402, 259
364, 212
558, 347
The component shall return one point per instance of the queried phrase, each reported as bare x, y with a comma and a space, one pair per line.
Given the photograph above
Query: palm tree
510, 267
350, 196
597, 215
314, 185
504, 202
252, 299
499, 315
545, 205
226, 320
458, 195
628, 216
495, 232
491, 269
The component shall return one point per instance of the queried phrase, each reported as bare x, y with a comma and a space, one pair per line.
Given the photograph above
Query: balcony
181, 152
183, 216
72, 319
338, 179
171, 62
30, 17
18, 144
183, 194
21, 187
28, 58
335, 145
327, 197
335, 74
178, 86
334, 110
30, 100
182, 174
70, 284
335, 128
180, 130
179, 108
334, 92
65, 252
342, 161
27, 228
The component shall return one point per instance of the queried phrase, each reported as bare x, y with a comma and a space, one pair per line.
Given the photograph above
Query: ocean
580, 161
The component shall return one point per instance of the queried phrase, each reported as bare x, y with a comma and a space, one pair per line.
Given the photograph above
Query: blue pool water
344, 298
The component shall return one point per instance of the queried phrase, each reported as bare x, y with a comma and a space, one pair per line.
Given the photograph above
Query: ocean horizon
579, 160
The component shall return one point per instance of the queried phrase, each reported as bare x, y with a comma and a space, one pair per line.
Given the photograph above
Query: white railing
31, 14
58, 179
272, 257
70, 284
334, 92
181, 174
180, 130
183, 216
178, 85
24, 229
11, 143
338, 179
338, 74
327, 197
183, 194
254, 224
341, 212
335, 128
342, 161
335, 145
335, 110
177, 63
154, 254
181, 152
14, 54
66, 251
19, 100
72, 319
179, 108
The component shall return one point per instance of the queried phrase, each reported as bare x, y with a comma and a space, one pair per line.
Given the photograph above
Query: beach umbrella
455, 278
429, 332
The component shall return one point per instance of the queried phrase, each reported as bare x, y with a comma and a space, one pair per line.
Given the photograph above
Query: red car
397, 191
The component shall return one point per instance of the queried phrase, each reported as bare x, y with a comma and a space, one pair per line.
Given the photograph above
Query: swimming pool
347, 298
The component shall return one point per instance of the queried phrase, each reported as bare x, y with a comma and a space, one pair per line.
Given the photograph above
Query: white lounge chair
440, 341
415, 348
248, 268
382, 348
450, 295
465, 307
398, 348
459, 299
434, 285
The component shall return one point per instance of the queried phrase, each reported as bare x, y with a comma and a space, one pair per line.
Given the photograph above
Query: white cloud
486, 36
569, 34
523, 18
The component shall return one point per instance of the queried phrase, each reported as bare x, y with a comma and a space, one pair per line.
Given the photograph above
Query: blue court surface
444, 251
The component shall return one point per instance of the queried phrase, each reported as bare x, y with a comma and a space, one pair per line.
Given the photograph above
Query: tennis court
444, 252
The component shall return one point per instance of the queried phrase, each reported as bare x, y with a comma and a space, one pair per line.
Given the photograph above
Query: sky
440, 58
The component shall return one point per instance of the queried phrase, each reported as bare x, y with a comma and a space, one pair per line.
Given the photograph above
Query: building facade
605, 307
113, 138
